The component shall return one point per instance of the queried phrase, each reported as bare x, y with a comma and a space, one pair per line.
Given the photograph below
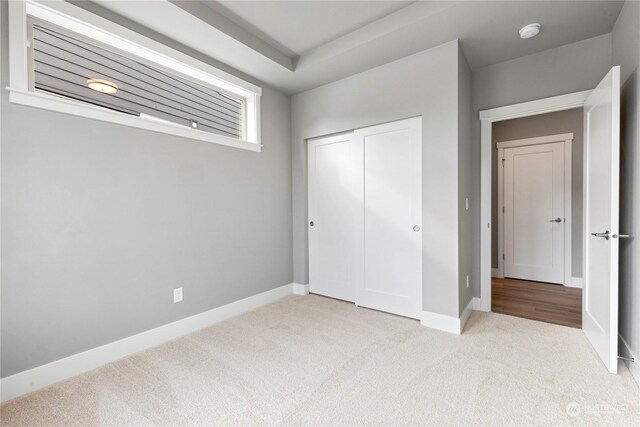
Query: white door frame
487, 118
567, 139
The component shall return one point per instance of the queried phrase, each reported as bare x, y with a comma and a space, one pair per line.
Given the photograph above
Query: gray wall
626, 53
571, 68
464, 181
543, 125
422, 84
100, 222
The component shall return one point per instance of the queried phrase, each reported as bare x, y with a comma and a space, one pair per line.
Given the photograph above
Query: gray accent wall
465, 161
571, 68
626, 53
569, 121
100, 222
424, 84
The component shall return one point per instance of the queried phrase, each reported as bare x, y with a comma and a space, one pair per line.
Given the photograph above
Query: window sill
76, 108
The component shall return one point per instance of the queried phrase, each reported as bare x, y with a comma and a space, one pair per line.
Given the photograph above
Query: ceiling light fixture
102, 86
529, 31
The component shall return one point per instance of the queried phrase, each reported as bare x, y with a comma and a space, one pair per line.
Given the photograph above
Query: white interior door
601, 200
390, 258
534, 212
332, 227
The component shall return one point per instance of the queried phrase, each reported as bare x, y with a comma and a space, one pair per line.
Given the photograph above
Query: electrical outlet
467, 281
177, 295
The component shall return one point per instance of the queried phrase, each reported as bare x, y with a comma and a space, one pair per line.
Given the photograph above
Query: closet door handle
416, 228
556, 220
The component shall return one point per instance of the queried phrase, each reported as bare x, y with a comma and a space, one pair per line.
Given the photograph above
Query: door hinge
503, 162
503, 257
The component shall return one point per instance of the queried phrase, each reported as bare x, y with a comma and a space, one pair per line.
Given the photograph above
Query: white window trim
66, 15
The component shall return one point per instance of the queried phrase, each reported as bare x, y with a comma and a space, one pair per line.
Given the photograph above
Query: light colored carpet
317, 361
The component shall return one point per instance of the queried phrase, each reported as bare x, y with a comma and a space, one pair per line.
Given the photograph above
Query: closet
365, 217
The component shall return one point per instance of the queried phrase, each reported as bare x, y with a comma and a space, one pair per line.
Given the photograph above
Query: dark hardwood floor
538, 301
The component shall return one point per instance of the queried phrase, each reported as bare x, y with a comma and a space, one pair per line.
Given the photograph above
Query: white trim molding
496, 273
624, 350
300, 289
466, 313
487, 118
449, 324
539, 106
104, 32
576, 282
550, 139
61, 104
440, 321
42, 376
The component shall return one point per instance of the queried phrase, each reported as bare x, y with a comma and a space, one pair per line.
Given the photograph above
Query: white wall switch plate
177, 295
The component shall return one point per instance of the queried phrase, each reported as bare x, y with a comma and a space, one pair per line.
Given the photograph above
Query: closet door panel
332, 205
390, 251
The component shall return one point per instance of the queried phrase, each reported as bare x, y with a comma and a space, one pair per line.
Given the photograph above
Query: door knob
606, 235
556, 220
311, 223
416, 228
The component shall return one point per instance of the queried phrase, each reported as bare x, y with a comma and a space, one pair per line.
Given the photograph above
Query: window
67, 59
66, 65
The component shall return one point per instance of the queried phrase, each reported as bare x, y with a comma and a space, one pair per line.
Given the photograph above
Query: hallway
545, 302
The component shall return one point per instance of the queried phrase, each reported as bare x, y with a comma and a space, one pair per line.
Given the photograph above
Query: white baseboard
42, 376
634, 367
465, 315
450, 324
576, 282
440, 321
299, 289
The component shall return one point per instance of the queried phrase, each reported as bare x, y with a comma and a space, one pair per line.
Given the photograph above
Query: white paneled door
333, 199
534, 212
601, 201
389, 273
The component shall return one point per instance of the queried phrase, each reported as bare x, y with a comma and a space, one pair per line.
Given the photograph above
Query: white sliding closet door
333, 200
390, 244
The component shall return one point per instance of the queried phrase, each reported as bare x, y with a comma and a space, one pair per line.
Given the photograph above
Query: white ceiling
304, 25
298, 45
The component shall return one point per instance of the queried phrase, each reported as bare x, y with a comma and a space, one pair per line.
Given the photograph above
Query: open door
601, 211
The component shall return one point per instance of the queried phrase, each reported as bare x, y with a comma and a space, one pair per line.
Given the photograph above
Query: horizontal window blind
62, 65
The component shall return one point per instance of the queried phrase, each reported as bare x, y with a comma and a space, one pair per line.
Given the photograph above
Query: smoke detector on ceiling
529, 31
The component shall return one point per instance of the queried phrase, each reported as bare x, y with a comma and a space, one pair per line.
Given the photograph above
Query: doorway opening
601, 192
537, 208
